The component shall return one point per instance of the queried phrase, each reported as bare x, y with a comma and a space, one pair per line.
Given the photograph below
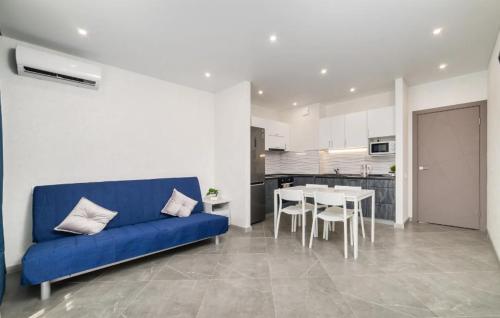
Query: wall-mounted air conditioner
53, 67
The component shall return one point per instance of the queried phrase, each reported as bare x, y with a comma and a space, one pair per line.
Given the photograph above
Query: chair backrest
316, 186
329, 198
291, 195
341, 187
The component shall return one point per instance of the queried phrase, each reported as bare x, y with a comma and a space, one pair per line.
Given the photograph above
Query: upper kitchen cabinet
325, 133
277, 133
332, 132
381, 122
356, 132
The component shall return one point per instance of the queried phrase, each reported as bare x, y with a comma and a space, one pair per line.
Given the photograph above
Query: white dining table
351, 195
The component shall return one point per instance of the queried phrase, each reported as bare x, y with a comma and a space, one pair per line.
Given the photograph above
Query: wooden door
448, 167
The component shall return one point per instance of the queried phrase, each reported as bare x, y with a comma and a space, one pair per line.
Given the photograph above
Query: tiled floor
422, 271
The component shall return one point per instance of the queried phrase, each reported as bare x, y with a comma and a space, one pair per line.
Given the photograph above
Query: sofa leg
45, 290
217, 240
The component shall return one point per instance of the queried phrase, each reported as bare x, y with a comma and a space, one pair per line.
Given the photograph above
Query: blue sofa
139, 228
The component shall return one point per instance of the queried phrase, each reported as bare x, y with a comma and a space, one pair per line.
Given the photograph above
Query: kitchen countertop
331, 175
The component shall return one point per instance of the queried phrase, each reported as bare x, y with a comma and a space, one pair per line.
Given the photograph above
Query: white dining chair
293, 210
360, 209
311, 205
336, 212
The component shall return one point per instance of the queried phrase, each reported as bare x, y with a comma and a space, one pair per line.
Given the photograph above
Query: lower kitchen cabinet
270, 186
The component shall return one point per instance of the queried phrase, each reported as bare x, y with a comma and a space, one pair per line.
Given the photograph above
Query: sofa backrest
135, 201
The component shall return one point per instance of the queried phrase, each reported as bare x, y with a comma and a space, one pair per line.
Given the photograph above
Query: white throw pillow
86, 218
179, 205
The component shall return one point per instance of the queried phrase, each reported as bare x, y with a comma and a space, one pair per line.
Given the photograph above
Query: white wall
232, 149
267, 112
494, 148
304, 123
133, 127
452, 91
358, 104
401, 125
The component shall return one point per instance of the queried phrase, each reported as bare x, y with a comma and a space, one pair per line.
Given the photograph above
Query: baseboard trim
13, 268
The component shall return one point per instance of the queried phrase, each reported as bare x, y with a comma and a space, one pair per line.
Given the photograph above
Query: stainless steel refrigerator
257, 173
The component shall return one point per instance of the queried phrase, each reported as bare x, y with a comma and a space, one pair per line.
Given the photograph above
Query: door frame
482, 156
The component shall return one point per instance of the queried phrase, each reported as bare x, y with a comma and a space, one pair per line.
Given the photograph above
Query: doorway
449, 165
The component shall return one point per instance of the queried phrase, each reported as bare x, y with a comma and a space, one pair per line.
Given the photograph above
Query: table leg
373, 219
275, 210
355, 220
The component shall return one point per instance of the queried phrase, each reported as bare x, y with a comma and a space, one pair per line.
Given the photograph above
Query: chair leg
351, 231
277, 226
304, 230
314, 223
324, 229
332, 226
45, 290
292, 224
316, 229
345, 238
362, 222
326, 232
300, 219
217, 240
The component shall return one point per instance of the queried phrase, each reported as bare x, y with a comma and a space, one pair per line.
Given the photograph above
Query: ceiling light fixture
208, 75
437, 31
352, 90
294, 103
324, 71
82, 32
260, 92
273, 38
442, 66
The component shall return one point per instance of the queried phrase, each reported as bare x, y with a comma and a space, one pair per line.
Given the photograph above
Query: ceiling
363, 43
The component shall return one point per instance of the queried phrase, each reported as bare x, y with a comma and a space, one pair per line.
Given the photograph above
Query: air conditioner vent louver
36, 71
49, 66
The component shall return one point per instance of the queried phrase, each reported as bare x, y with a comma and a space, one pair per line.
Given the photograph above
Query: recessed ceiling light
294, 103
273, 38
437, 31
324, 71
442, 66
352, 90
260, 92
207, 74
82, 32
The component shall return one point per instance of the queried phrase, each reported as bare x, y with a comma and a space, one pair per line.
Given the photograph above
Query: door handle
422, 168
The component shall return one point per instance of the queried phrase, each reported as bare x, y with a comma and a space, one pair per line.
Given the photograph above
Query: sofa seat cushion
54, 259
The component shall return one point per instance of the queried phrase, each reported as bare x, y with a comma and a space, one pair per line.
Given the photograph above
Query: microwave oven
380, 148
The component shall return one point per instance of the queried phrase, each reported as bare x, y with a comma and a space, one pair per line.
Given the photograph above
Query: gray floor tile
424, 270
181, 298
310, 297
238, 298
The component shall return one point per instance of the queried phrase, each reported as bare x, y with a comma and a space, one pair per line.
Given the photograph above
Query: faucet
365, 170
337, 171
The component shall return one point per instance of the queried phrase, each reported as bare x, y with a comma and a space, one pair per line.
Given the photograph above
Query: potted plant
212, 193
392, 170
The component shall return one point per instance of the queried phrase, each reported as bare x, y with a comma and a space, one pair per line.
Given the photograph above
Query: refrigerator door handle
256, 184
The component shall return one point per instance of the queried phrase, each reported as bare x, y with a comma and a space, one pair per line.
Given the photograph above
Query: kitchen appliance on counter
382, 146
257, 175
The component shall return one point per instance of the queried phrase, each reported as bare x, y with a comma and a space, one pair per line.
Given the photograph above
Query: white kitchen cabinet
338, 132
332, 132
325, 133
277, 133
356, 132
381, 122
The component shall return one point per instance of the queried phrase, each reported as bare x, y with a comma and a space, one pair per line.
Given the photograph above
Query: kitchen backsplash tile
314, 162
